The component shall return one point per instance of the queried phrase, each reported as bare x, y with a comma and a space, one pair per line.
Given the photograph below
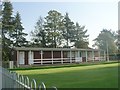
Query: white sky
94, 14
62, 0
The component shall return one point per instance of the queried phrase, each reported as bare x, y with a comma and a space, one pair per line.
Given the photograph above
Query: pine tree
80, 38
18, 35
68, 29
53, 27
39, 34
7, 29
7, 19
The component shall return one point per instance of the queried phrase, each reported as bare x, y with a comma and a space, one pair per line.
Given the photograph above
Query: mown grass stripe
64, 69
63, 65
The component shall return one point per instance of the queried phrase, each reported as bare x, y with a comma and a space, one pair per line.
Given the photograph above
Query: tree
18, 35
0, 31
39, 34
0, 24
7, 28
118, 43
7, 19
68, 29
80, 38
53, 27
106, 40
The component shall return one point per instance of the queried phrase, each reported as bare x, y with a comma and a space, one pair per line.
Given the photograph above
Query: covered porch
41, 56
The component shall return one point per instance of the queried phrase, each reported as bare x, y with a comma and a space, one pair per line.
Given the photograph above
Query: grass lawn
91, 76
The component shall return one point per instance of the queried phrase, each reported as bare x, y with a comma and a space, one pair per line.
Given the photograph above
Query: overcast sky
94, 15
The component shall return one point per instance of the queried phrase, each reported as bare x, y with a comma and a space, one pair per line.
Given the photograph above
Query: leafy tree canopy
106, 40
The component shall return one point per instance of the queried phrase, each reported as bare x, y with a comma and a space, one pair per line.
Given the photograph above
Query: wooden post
99, 56
62, 57
18, 59
104, 56
29, 55
52, 56
86, 56
93, 55
107, 53
70, 56
41, 57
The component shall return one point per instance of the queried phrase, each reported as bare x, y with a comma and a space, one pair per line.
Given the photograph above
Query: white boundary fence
13, 80
66, 60
54, 60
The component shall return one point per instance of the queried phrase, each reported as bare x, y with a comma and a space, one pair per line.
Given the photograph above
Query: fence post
21, 80
0, 77
54, 87
15, 78
26, 82
42, 86
33, 81
12, 79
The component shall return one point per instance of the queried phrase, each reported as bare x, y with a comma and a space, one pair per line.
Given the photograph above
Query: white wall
21, 57
30, 57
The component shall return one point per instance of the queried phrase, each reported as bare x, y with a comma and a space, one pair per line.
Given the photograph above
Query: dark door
26, 57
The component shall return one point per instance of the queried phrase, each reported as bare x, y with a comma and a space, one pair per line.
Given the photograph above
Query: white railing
65, 60
96, 58
53, 60
12, 80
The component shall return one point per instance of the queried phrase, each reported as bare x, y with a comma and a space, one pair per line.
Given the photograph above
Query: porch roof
53, 49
